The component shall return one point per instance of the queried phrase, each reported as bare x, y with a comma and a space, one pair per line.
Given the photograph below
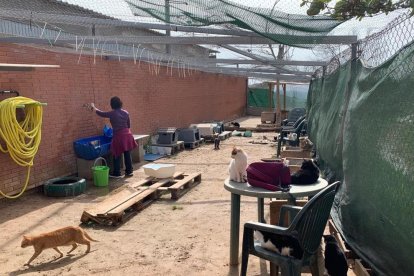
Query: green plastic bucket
100, 174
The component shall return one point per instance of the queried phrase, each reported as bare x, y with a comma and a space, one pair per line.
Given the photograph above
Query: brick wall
152, 100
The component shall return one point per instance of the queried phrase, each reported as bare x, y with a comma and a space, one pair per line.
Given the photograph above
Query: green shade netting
259, 97
288, 29
362, 122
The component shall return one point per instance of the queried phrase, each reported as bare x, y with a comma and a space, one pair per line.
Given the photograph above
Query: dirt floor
189, 236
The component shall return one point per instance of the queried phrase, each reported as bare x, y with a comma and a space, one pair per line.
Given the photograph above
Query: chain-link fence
361, 118
377, 48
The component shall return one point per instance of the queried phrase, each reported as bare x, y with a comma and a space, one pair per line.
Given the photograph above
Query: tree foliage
345, 9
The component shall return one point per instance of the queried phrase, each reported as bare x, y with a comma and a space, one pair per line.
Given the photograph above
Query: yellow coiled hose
22, 139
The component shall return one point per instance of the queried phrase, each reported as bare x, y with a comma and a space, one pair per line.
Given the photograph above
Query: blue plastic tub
92, 147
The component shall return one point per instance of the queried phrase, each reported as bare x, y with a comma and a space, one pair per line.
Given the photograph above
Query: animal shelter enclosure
180, 64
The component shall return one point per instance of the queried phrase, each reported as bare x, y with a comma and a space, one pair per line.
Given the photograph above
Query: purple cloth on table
119, 118
272, 176
122, 141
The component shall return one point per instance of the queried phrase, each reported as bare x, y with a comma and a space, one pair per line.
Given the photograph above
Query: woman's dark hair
116, 103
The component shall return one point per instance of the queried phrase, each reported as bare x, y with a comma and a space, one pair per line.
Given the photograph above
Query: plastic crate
92, 147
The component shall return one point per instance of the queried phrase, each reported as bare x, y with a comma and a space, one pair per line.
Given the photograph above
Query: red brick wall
152, 100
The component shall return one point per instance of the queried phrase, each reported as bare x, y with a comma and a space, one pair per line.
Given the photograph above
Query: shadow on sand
51, 265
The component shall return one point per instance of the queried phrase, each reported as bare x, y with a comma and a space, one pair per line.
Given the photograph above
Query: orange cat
71, 235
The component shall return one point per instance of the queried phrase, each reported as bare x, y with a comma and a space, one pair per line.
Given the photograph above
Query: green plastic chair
307, 227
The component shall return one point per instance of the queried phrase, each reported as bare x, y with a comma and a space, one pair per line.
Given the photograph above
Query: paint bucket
100, 173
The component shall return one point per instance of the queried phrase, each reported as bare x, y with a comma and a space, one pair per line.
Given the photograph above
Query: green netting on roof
289, 29
366, 135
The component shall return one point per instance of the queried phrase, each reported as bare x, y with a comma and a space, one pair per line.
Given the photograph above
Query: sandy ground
189, 236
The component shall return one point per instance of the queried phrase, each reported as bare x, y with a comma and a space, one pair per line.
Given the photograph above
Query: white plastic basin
159, 170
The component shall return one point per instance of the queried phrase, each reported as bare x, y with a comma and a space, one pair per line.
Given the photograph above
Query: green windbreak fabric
326, 114
259, 97
374, 206
288, 29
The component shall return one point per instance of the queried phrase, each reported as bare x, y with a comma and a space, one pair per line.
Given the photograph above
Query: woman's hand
93, 106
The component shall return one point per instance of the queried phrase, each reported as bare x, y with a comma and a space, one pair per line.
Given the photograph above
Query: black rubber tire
64, 186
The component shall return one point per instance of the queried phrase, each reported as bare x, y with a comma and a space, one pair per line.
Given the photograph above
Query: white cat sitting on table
238, 165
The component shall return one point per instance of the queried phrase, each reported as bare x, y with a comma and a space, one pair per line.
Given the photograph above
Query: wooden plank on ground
147, 194
122, 204
110, 202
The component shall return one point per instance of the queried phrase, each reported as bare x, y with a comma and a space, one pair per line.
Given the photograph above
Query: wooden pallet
224, 135
114, 209
193, 145
179, 146
182, 186
136, 196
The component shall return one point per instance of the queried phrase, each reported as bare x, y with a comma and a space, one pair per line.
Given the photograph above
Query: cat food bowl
159, 170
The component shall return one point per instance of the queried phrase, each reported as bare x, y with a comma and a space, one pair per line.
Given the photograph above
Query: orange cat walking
71, 235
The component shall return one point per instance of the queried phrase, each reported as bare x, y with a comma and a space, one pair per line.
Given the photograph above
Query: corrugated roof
118, 9
113, 8
49, 6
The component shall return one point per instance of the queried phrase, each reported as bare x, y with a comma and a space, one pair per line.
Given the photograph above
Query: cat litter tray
159, 170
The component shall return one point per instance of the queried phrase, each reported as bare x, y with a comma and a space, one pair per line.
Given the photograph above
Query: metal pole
354, 48
260, 209
270, 97
278, 96
234, 229
168, 30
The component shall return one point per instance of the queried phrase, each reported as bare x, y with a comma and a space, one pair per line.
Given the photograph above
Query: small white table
137, 154
238, 189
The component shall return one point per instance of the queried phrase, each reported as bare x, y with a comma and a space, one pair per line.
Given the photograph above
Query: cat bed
159, 170
64, 186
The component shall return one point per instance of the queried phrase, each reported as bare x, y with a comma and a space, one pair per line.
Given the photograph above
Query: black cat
284, 245
216, 141
235, 124
308, 173
335, 260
